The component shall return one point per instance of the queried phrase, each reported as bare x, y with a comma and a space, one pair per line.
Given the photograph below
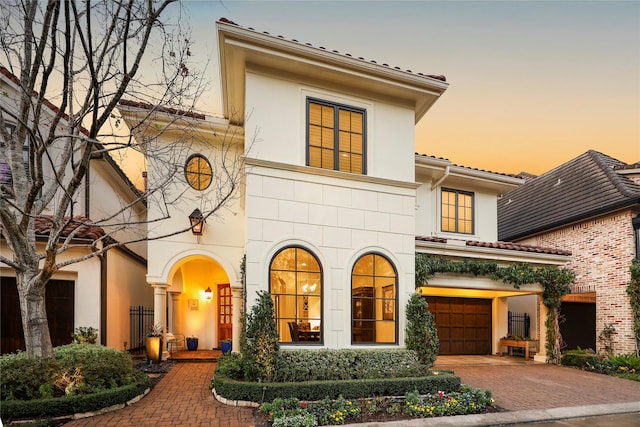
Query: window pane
345, 120
285, 260
327, 159
356, 143
315, 159
327, 116
383, 267
364, 265
356, 163
315, 114
327, 138
356, 122
315, 139
345, 162
345, 141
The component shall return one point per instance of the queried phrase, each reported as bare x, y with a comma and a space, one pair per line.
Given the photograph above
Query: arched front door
225, 313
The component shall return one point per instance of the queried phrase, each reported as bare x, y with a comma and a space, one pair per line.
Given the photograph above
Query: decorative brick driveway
517, 385
181, 398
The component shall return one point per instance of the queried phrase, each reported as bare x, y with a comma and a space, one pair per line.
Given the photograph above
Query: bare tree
73, 62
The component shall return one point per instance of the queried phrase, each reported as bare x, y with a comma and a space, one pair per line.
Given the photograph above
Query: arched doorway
199, 301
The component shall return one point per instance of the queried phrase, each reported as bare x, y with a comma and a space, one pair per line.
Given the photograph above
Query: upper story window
198, 172
6, 177
335, 137
457, 211
296, 288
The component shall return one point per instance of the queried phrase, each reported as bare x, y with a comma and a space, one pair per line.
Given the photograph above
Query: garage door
464, 324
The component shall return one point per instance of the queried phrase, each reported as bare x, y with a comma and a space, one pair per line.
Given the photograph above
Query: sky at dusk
532, 84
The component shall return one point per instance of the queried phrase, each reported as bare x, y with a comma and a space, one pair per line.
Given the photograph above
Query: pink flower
303, 405
440, 393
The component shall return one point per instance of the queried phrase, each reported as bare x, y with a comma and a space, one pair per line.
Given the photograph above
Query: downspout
636, 232
435, 185
87, 191
103, 298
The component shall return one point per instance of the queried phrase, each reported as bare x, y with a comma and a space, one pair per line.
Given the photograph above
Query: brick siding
602, 249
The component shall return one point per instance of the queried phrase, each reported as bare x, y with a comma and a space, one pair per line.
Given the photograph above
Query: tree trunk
31, 291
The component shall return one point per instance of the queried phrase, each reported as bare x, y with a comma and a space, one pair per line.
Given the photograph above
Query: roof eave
289, 56
493, 254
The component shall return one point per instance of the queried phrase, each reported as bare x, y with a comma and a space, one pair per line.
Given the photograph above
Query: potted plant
192, 343
153, 343
225, 345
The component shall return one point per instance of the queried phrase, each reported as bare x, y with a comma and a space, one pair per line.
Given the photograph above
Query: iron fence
519, 324
140, 321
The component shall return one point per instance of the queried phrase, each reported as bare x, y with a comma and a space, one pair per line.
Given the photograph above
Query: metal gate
519, 324
140, 321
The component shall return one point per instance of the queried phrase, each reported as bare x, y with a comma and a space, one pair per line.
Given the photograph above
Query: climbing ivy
633, 290
555, 283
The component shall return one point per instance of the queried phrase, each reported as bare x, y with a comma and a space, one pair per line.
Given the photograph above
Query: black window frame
353, 319
473, 210
199, 173
336, 132
297, 318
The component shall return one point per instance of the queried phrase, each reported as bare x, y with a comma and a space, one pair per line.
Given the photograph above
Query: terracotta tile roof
430, 76
468, 167
86, 230
581, 188
174, 111
9, 75
501, 245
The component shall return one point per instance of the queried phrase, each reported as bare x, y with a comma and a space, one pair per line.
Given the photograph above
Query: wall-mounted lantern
208, 293
197, 222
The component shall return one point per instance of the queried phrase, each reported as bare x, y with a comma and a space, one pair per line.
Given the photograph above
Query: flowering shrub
466, 401
292, 412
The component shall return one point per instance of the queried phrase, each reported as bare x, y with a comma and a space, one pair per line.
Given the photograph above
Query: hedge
349, 389
67, 405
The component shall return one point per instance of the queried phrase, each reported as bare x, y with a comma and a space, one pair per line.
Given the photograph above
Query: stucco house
590, 206
96, 292
332, 199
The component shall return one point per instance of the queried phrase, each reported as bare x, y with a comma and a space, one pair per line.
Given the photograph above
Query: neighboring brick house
590, 206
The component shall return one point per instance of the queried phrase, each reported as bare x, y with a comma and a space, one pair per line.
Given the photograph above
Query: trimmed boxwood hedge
349, 389
67, 405
579, 358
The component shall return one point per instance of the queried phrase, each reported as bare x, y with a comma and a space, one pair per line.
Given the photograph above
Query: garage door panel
464, 324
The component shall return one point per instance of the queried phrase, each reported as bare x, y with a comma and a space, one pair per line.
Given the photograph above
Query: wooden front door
225, 313
464, 324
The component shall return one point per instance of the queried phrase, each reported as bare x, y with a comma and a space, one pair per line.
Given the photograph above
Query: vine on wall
633, 290
555, 283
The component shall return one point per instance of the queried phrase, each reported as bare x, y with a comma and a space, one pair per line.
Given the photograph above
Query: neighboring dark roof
431, 76
86, 229
581, 188
467, 167
501, 245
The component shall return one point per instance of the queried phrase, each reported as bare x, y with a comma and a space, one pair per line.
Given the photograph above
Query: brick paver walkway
181, 398
542, 386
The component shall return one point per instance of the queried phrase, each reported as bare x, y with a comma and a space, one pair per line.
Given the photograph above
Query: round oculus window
197, 172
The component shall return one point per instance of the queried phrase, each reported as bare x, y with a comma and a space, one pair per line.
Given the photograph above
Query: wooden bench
526, 344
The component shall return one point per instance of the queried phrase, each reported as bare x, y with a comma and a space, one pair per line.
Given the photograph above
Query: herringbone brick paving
181, 398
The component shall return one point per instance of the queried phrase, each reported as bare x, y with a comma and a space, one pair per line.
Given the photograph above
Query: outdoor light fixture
208, 293
197, 222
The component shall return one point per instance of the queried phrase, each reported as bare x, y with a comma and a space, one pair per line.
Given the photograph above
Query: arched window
373, 301
296, 288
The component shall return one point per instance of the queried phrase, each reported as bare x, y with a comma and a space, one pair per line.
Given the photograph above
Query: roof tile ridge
620, 182
439, 77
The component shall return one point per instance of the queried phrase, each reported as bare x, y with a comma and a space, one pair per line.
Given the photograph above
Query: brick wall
602, 249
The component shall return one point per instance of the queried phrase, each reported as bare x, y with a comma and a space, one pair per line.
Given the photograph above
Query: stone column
160, 311
501, 327
237, 309
541, 355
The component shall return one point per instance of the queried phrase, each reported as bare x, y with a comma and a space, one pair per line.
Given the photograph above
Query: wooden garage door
464, 324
